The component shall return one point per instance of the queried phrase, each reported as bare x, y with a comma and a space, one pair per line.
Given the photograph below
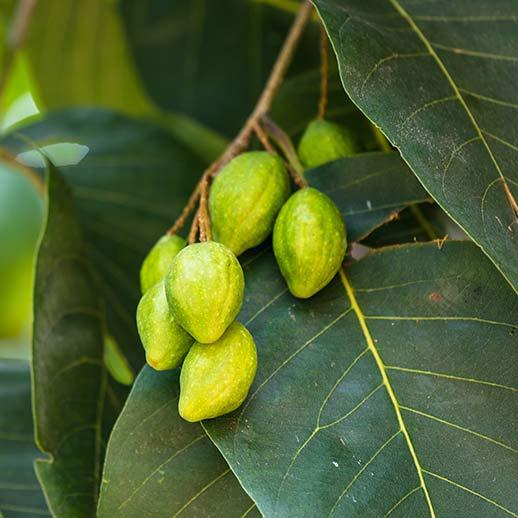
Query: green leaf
20, 493
423, 222
369, 189
82, 57
438, 78
295, 106
67, 361
159, 464
130, 182
209, 59
392, 391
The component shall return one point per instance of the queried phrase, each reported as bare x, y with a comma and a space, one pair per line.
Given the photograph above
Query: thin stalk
283, 141
242, 140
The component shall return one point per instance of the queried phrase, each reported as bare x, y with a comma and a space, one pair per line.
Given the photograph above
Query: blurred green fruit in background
21, 213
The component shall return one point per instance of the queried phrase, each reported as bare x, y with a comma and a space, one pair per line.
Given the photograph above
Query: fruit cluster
193, 294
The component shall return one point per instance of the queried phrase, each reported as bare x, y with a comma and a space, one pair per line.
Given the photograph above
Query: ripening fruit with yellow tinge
309, 241
245, 197
204, 288
165, 342
324, 141
158, 260
216, 377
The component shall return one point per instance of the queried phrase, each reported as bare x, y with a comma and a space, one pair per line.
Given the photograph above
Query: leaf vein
458, 427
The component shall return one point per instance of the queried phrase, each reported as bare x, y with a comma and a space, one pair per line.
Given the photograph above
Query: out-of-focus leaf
391, 392
209, 59
21, 215
69, 376
78, 55
158, 464
439, 79
116, 363
130, 184
295, 106
20, 493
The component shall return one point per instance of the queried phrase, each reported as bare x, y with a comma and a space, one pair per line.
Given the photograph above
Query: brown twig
16, 36
263, 137
282, 140
324, 73
203, 216
193, 233
240, 143
191, 204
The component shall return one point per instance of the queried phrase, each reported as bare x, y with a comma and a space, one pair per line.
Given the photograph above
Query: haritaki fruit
325, 141
158, 260
204, 288
309, 241
216, 378
165, 342
245, 198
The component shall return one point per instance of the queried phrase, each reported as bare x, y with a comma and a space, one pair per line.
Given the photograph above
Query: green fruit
245, 197
165, 342
309, 241
204, 288
216, 378
158, 260
325, 141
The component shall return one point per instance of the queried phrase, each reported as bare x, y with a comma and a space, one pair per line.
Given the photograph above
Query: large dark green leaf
439, 78
369, 189
160, 465
210, 59
130, 186
67, 359
393, 391
20, 493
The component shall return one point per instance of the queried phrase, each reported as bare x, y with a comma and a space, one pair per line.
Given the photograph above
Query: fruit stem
193, 233
203, 217
324, 73
282, 140
263, 137
242, 140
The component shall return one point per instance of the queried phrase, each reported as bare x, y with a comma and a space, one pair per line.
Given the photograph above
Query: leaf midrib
386, 382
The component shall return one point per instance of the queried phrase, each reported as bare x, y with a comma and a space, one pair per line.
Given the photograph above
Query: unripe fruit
216, 378
245, 197
325, 141
165, 342
158, 260
309, 241
204, 289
